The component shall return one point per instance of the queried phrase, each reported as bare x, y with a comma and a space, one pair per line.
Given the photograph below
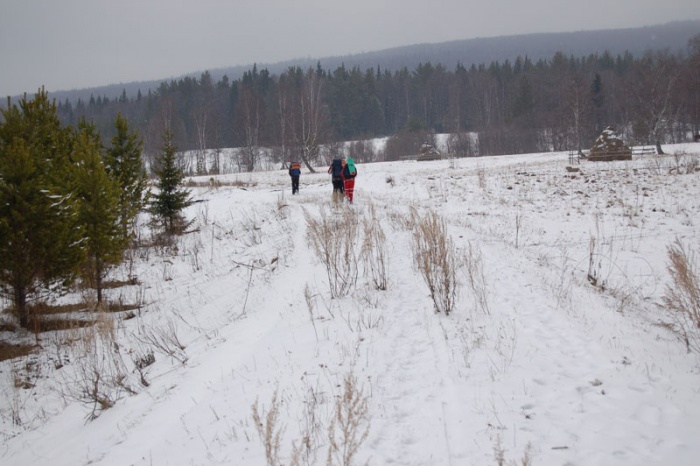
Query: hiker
336, 171
294, 173
349, 174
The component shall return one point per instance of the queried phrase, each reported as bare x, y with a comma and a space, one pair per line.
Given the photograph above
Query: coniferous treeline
524, 106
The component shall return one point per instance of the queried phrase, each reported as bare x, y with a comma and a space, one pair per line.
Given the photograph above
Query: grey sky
72, 44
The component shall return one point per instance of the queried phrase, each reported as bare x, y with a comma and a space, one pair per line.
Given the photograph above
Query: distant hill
672, 36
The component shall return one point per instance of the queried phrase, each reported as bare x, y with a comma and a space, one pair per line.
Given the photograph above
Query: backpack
350, 170
295, 169
337, 168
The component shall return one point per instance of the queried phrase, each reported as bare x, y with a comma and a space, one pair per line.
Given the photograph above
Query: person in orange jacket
294, 173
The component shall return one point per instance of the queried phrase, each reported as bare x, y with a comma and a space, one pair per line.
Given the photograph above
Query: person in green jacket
349, 174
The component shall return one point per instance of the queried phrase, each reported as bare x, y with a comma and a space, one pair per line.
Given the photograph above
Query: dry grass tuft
682, 296
350, 425
474, 269
374, 250
334, 239
499, 454
269, 430
434, 255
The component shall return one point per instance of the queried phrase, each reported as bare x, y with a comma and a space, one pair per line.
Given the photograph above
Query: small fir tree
124, 164
171, 198
39, 238
99, 207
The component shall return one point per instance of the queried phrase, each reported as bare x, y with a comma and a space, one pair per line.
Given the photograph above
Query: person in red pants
349, 174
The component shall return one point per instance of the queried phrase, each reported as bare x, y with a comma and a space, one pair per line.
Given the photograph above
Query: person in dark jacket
294, 173
336, 172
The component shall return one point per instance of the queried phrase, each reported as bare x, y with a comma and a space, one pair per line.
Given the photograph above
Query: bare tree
576, 98
689, 97
656, 78
249, 105
286, 103
200, 116
314, 117
461, 145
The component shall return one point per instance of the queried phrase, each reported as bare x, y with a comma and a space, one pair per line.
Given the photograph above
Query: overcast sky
73, 44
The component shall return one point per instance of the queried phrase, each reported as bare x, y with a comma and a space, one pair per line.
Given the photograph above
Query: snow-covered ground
534, 361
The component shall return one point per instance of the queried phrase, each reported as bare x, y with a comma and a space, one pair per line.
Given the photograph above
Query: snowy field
557, 350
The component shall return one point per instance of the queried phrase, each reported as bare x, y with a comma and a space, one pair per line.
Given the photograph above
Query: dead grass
215, 183
112, 284
100, 375
122, 307
434, 255
10, 351
682, 295
7, 327
476, 278
40, 325
374, 253
334, 239
350, 425
269, 429
45, 317
44, 309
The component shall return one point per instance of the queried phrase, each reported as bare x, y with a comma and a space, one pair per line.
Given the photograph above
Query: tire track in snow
408, 403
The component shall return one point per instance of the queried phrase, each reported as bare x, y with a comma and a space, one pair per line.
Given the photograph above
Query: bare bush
682, 296
374, 250
23, 381
164, 338
684, 163
142, 358
350, 425
406, 143
461, 145
334, 239
434, 255
100, 375
362, 151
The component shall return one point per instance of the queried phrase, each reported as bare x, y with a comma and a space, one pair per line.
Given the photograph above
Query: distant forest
519, 106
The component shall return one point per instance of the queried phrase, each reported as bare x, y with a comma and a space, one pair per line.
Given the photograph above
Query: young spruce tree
99, 210
171, 198
39, 238
124, 164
